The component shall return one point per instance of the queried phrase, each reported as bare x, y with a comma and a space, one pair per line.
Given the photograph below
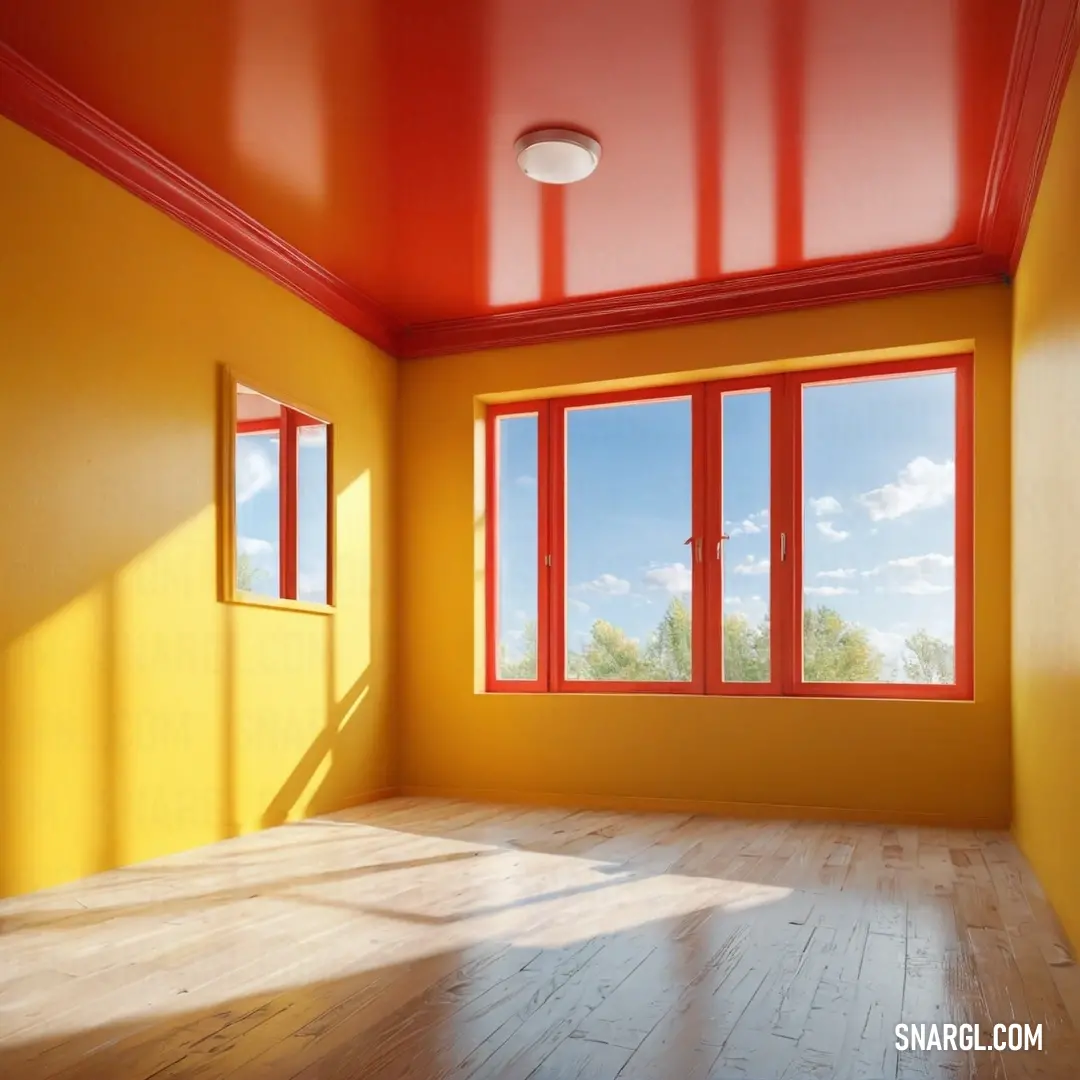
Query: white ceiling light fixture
557, 155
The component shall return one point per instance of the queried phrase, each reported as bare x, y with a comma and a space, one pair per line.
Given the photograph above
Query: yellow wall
137, 714
1046, 527
932, 761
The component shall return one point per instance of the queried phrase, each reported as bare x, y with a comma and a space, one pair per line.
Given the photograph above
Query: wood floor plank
421, 939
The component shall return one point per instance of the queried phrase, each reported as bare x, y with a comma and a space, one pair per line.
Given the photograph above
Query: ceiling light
557, 155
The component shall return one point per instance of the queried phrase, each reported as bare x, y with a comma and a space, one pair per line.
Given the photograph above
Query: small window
279, 540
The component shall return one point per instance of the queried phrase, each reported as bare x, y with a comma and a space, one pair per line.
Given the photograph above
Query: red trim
1047, 37
331, 518
964, 577
786, 604
786, 524
288, 487
41, 105
963, 688
715, 682
287, 426
491, 548
558, 680
758, 294
699, 550
258, 427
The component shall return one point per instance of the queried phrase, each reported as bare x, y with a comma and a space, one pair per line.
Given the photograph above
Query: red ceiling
756, 153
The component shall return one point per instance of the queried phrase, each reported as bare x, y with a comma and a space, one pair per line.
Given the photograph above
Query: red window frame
559, 408
715, 536
964, 571
786, 539
491, 503
286, 425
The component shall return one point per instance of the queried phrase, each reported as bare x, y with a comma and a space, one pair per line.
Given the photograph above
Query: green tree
667, 656
609, 655
931, 660
746, 649
836, 651
524, 667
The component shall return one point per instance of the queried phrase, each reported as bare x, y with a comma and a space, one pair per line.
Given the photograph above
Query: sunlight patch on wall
168, 711
881, 167
353, 584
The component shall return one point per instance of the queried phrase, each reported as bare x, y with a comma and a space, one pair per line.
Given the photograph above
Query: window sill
254, 600
909, 699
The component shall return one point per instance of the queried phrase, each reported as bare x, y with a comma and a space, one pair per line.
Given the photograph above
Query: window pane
628, 517
745, 428
879, 526
258, 567
518, 536
311, 513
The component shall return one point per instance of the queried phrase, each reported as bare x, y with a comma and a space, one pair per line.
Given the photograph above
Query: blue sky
878, 516
257, 511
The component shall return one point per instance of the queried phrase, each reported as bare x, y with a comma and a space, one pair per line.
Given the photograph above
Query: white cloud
733, 601
606, 585
825, 505
251, 545
578, 605
919, 587
676, 578
750, 565
755, 523
830, 532
923, 562
839, 574
921, 485
829, 590
254, 471
914, 575
528, 482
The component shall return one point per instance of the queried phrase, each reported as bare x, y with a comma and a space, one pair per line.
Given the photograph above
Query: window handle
719, 544
783, 546
697, 546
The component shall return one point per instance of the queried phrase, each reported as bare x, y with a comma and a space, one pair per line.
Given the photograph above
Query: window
801, 534
278, 481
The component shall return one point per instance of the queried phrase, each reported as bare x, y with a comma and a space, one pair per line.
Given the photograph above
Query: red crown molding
41, 105
1047, 37
865, 279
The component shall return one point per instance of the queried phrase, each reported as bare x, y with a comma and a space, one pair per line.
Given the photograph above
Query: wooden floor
427, 939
